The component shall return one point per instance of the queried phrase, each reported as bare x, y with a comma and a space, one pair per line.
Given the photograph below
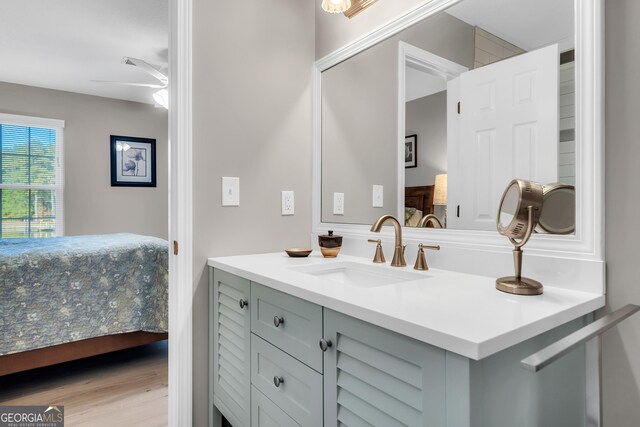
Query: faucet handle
379, 256
421, 260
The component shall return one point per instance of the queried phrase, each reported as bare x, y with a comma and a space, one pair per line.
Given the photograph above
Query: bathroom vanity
507, 90
318, 342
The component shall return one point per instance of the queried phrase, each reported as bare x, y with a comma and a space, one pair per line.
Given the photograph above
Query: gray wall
621, 346
252, 119
427, 118
360, 114
359, 134
91, 205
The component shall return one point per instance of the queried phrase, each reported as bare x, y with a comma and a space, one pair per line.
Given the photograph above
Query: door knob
325, 344
243, 303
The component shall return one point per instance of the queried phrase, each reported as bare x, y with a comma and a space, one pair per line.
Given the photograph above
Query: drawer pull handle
277, 321
243, 303
277, 381
325, 344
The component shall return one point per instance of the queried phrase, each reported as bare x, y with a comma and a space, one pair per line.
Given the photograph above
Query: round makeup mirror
509, 207
559, 214
518, 215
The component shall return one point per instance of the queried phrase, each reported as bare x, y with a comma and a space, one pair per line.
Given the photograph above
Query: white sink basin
360, 275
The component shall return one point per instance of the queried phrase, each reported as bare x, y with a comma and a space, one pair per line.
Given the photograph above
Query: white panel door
507, 128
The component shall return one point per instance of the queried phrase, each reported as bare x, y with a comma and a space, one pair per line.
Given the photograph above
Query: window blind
30, 182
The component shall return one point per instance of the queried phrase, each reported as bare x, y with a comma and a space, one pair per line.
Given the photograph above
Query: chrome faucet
398, 253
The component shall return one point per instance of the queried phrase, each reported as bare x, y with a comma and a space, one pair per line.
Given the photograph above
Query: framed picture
411, 151
133, 161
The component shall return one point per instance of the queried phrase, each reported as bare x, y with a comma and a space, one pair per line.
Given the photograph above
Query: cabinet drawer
265, 413
300, 392
299, 323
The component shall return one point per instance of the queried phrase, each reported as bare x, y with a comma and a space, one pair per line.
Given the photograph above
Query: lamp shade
440, 190
336, 6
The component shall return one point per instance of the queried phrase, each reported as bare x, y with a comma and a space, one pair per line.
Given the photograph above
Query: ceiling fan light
336, 6
162, 98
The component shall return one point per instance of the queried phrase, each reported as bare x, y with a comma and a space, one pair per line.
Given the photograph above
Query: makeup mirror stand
517, 284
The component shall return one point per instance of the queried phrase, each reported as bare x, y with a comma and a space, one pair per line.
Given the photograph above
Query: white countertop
458, 312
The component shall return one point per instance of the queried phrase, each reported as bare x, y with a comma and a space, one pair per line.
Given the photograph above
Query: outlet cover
230, 191
378, 196
338, 203
288, 203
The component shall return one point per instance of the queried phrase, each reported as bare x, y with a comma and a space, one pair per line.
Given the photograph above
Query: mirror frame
588, 241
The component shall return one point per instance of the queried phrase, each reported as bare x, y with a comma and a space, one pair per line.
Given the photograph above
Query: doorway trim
432, 64
180, 215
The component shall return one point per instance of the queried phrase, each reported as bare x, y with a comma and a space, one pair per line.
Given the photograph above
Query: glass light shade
162, 98
336, 6
440, 190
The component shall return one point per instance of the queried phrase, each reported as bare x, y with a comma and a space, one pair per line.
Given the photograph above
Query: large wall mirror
432, 123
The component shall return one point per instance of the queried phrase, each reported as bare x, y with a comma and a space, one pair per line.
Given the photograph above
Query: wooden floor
124, 388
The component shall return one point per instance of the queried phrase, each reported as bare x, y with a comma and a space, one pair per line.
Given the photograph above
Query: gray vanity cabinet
265, 362
277, 360
376, 377
230, 344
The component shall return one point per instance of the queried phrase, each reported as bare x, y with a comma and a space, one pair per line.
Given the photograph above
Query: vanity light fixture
358, 6
518, 216
336, 6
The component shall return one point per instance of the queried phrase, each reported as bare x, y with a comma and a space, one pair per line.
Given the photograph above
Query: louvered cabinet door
374, 377
231, 340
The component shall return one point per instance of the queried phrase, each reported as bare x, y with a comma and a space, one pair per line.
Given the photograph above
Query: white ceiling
64, 44
528, 24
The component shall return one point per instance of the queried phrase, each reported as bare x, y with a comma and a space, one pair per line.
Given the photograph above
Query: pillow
408, 213
414, 220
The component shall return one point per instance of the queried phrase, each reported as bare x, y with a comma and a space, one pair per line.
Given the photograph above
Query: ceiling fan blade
155, 86
146, 67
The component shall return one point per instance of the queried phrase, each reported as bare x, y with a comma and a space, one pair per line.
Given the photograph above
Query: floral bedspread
63, 289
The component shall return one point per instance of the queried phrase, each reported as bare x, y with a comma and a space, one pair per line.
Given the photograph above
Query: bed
65, 298
418, 202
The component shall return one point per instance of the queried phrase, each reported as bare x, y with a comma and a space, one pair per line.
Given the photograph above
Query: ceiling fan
161, 96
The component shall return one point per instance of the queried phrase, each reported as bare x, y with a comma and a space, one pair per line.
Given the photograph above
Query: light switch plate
378, 196
338, 203
288, 203
230, 191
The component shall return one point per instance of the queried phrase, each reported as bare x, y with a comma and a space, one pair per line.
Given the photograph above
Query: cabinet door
373, 376
231, 340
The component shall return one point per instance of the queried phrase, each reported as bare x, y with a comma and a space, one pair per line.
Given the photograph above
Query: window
31, 177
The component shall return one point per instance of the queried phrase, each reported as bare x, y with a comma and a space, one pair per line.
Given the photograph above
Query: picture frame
411, 151
133, 161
